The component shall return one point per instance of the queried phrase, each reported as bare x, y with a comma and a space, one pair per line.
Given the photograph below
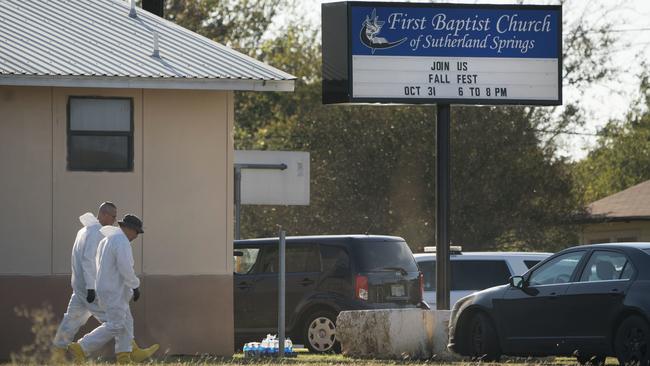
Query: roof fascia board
147, 83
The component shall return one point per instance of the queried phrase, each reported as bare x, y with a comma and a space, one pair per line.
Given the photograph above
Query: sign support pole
281, 291
443, 191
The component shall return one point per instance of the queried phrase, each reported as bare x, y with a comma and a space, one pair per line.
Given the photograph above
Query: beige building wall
187, 186
615, 232
181, 186
78, 192
25, 181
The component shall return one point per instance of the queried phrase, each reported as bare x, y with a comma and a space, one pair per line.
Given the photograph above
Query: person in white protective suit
82, 303
116, 284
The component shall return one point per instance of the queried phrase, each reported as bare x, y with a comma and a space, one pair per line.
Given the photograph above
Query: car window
607, 266
379, 255
531, 263
557, 270
244, 263
428, 269
299, 258
468, 274
478, 274
334, 259
303, 258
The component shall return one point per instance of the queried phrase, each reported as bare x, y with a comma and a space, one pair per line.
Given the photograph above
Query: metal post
237, 203
281, 292
443, 205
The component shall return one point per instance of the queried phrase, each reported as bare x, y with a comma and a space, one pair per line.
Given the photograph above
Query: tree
373, 168
236, 23
621, 158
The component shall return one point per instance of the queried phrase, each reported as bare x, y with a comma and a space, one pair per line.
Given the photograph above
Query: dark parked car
589, 301
325, 275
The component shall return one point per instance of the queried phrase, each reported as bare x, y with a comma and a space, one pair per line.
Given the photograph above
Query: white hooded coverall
116, 280
84, 272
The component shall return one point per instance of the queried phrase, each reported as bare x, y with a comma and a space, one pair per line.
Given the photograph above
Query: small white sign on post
274, 186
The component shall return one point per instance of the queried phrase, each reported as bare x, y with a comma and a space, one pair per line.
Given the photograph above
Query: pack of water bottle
269, 347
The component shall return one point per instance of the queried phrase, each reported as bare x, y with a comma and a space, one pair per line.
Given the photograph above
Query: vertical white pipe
132, 12
156, 49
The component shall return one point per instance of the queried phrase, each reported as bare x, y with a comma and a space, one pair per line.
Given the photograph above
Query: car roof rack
453, 249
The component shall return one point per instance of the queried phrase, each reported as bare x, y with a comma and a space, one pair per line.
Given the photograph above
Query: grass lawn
306, 359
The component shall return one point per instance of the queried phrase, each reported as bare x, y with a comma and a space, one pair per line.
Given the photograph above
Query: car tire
481, 338
319, 332
632, 341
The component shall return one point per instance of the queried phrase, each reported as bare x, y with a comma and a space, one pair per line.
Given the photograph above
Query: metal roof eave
148, 83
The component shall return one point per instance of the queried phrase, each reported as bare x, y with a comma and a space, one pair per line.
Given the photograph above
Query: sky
602, 102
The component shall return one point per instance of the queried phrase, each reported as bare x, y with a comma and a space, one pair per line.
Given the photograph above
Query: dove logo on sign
370, 31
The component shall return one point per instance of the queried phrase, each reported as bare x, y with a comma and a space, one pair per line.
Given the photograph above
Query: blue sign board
428, 53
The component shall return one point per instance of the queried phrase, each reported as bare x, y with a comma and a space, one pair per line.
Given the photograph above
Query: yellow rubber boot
58, 356
123, 358
78, 354
139, 354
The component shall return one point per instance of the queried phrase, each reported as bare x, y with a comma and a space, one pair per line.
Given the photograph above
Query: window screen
100, 134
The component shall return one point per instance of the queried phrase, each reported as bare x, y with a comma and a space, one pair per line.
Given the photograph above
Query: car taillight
421, 277
361, 287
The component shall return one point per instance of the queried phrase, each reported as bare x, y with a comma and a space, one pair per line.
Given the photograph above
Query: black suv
325, 275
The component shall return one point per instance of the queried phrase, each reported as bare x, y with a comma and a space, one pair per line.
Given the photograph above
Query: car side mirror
517, 282
238, 253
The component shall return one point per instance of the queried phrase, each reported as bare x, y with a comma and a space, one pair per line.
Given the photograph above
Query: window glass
244, 263
299, 258
100, 134
531, 263
558, 270
607, 266
100, 114
478, 275
303, 258
627, 239
468, 274
428, 269
335, 259
377, 256
98, 152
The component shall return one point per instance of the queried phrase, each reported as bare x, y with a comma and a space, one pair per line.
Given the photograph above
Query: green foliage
236, 23
621, 158
373, 167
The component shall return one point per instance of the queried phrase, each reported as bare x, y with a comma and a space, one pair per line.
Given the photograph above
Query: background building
621, 217
98, 105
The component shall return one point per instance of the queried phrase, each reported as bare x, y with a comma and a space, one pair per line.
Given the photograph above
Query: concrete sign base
398, 334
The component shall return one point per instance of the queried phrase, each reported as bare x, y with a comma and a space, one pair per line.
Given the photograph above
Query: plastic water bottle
288, 347
265, 346
254, 349
275, 347
248, 350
